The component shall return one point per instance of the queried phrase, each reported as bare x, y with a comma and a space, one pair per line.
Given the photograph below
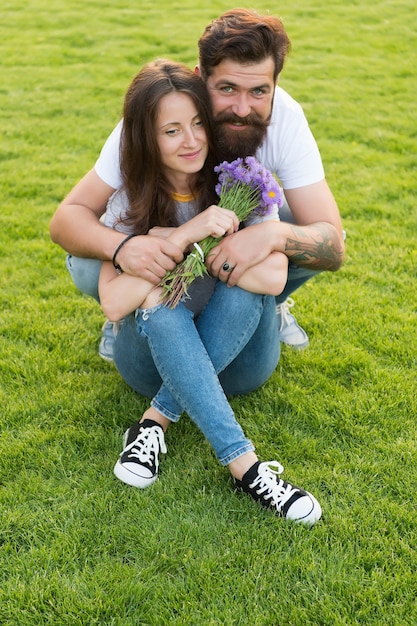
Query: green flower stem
240, 199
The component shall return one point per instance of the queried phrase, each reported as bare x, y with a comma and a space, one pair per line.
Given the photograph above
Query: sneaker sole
129, 478
299, 346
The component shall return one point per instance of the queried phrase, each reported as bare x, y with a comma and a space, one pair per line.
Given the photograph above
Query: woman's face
180, 135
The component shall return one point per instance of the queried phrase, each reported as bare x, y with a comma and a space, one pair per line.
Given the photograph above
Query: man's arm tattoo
315, 252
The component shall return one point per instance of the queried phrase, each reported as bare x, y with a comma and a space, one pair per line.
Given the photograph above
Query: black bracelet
121, 244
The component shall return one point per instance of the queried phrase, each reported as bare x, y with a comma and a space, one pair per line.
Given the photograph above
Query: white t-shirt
289, 149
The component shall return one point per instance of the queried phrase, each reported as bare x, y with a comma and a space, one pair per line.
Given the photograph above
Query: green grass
76, 546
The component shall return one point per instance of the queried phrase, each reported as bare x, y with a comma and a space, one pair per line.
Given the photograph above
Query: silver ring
227, 267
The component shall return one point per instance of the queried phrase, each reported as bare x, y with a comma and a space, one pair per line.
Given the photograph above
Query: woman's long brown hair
148, 191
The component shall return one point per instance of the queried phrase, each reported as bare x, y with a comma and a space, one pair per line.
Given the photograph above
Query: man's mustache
250, 120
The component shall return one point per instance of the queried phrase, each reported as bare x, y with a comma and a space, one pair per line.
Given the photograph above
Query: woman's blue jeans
189, 366
185, 365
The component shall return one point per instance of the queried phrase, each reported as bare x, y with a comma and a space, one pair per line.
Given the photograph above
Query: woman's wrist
178, 237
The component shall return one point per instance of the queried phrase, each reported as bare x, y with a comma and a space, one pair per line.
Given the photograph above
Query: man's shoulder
287, 118
289, 148
107, 166
285, 104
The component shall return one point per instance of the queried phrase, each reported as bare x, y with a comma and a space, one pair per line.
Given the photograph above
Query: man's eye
226, 89
258, 92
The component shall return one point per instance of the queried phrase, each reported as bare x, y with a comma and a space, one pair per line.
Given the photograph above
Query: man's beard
233, 144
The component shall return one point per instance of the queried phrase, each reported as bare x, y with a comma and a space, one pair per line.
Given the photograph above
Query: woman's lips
191, 155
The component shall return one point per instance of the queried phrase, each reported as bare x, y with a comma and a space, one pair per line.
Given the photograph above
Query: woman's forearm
121, 294
268, 277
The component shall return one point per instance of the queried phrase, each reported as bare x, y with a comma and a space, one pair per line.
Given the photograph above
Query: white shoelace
266, 484
283, 310
146, 446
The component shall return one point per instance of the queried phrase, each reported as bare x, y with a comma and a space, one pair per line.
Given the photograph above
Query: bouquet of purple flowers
245, 186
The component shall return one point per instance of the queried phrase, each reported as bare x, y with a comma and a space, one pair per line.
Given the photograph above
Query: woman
176, 355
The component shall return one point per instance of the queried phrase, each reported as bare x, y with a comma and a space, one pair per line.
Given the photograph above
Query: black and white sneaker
138, 462
262, 482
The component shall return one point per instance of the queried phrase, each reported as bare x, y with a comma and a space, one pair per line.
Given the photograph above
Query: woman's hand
214, 221
161, 231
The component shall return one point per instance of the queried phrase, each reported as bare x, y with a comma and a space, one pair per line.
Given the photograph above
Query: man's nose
241, 106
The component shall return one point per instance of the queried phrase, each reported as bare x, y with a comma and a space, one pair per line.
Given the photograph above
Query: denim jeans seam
172, 417
249, 447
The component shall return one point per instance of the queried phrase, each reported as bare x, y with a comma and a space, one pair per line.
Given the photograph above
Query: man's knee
85, 274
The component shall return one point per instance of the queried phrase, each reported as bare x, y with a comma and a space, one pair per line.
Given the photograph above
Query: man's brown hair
243, 36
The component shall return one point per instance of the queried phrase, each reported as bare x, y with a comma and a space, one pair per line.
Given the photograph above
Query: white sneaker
108, 335
290, 332
138, 463
263, 483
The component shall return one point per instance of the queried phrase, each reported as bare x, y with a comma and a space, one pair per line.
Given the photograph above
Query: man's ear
197, 70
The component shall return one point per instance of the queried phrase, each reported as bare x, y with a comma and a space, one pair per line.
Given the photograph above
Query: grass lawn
77, 547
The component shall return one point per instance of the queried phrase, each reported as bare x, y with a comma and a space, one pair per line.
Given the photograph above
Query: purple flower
245, 186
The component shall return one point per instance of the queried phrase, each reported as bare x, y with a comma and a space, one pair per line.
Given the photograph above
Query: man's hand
317, 246
149, 257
